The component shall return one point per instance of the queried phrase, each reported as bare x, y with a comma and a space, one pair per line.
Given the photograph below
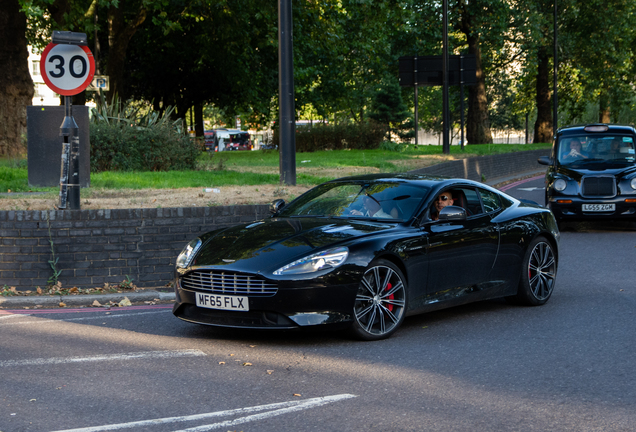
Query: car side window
470, 201
490, 201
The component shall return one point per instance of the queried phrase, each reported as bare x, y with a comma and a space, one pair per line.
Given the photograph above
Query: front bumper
568, 207
289, 308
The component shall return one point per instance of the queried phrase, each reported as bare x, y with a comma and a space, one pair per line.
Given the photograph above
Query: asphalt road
565, 366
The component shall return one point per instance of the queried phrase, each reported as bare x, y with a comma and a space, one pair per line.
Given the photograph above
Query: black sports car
592, 173
364, 252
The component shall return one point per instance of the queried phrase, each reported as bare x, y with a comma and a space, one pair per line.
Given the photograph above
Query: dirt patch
155, 198
93, 198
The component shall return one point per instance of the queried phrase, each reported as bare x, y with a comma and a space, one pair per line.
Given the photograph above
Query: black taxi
592, 172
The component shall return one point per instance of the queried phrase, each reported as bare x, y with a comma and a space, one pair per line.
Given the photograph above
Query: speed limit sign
67, 69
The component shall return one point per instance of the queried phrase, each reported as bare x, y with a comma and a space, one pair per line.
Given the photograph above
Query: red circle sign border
80, 88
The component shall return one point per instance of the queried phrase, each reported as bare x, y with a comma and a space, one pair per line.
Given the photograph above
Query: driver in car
576, 151
444, 199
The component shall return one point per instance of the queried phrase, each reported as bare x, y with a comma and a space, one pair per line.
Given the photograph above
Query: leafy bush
337, 137
125, 137
117, 147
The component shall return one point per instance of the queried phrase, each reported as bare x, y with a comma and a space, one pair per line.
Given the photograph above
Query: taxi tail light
630, 200
564, 201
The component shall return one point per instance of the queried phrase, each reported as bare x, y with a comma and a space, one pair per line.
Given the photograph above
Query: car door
461, 254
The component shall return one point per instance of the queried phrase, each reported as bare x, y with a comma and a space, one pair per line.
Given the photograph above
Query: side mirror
545, 160
452, 214
276, 206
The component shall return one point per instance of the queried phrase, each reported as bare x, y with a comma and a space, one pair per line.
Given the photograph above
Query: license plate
213, 301
599, 207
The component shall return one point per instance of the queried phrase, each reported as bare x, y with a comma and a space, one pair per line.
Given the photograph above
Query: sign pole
69, 179
445, 107
416, 100
67, 67
461, 96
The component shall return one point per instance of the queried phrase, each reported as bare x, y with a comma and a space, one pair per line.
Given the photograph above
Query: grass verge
242, 168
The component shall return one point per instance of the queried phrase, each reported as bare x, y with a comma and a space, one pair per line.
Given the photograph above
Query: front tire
380, 303
538, 274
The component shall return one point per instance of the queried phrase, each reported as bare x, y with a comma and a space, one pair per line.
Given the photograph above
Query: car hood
596, 169
266, 245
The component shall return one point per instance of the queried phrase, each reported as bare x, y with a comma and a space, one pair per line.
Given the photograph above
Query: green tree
388, 108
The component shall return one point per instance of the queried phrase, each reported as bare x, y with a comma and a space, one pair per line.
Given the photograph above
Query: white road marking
105, 357
278, 409
94, 317
3, 316
530, 189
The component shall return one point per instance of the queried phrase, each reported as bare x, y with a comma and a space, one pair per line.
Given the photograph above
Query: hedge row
337, 137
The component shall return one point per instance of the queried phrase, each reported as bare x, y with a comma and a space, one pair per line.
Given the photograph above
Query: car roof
611, 128
430, 181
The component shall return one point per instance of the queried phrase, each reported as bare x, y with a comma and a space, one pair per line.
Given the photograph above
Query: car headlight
633, 183
185, 257
320, 261
559, 185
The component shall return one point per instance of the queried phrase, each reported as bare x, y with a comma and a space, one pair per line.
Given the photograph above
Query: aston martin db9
365, 252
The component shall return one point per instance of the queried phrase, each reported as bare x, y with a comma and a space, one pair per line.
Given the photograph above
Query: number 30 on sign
67, 69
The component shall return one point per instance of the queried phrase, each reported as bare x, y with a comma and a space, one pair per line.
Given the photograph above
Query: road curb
83, 299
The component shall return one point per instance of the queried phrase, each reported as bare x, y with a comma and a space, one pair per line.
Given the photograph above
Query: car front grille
598, 186
228, 283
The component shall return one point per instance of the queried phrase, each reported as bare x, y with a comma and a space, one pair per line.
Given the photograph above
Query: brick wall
98, 246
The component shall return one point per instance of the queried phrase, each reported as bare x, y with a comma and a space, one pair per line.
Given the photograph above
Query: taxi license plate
224, 302
599, 207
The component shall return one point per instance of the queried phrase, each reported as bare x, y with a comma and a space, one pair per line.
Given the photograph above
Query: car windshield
377, 200
609, 148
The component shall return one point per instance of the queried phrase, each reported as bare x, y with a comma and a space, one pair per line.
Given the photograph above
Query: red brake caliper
391, 297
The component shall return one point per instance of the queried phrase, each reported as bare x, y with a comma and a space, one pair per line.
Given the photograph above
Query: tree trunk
15, 81
120, 32
477, 119
543, 126
604, 108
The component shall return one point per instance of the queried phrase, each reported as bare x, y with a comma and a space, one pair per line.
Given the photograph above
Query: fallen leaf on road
125, 302
62, 304
96, 303
247, 364
297, 394
221, 362
269, 372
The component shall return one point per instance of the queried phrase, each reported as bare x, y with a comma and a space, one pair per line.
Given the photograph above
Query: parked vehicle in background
592, 173
210, 140
239, 140
227, 139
